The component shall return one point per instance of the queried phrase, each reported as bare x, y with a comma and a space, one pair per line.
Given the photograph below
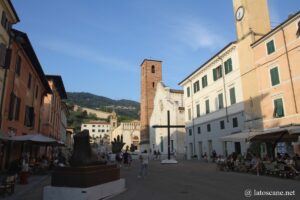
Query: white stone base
91, 193
171, 161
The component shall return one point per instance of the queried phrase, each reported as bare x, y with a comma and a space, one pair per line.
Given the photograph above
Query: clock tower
252, 22
251, 18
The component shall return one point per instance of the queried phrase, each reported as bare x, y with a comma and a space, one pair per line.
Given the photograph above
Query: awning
240, 137
285, 134
38, 138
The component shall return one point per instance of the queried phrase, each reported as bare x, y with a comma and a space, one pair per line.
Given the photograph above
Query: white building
214, 106
97, 128
130, 131
165, 100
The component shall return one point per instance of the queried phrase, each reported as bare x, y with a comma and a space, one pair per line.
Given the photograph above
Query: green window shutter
226, 67
220, 97
232, 96
207, 106
215, 74
188, 92
278, 108
161, 144
221, 71
204, 81
270, 47
274, 76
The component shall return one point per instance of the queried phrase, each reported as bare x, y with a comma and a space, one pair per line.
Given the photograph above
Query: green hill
127, 109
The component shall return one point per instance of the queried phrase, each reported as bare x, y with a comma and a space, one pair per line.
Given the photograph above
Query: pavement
187, 180
31, 191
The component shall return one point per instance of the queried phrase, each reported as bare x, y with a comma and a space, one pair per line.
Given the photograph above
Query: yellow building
277, 58
8, 18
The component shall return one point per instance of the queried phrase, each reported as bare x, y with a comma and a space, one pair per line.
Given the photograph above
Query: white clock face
239, 13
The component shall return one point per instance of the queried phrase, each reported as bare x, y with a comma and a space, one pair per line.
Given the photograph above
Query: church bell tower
151, 74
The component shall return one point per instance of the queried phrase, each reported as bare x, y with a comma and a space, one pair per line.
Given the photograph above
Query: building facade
165, 100
130, 131
151, 74
23, 97
277, 58
214, 106
51, 114
8, 18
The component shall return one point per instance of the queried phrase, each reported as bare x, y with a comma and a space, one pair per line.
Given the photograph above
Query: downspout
290, 71
224, 87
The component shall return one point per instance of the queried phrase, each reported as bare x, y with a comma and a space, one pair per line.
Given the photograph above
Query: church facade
165, 100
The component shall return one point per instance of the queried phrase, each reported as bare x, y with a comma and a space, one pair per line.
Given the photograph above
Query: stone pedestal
86, 176
90, 193
171, 161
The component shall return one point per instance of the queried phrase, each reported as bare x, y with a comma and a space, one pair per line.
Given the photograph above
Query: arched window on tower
153, 69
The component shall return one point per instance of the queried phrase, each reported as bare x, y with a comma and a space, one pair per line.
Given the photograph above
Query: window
199, 129
84, 125
189, 114
220, 100
29, 81
29, 116
222, 125
93, 130
190, 132
274, 76
208, 127
153, 84
204, 81
14, 107
36, 91
153, 69
235, 122
4, 22
18, 65
196, 86
99, 130
228, 66
217, 72
232, 96
93, 125
188, 92
207, 106
198, 110
270, 47
278, 108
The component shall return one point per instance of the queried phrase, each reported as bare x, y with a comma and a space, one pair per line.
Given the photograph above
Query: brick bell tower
151, 74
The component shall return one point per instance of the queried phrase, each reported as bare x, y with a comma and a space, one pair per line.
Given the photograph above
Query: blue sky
97, 46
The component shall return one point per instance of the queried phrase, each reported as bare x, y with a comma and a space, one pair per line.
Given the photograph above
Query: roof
59, 85
13, 9
291, 18
176, 91
150, 60
97, 122
26, 45
207, 62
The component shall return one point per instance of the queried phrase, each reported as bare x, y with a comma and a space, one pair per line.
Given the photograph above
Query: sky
97, 46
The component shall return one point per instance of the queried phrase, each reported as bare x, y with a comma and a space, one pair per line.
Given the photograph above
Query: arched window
153, 69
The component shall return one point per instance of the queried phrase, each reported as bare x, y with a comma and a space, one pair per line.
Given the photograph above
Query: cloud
87, 54
196, 35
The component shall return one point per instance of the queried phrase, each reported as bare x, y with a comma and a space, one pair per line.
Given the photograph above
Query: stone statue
82, 152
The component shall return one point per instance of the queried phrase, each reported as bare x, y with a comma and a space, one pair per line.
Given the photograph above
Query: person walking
144, 160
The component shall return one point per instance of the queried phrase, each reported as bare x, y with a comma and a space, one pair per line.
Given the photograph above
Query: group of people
125, 157
156, 155
257, 164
